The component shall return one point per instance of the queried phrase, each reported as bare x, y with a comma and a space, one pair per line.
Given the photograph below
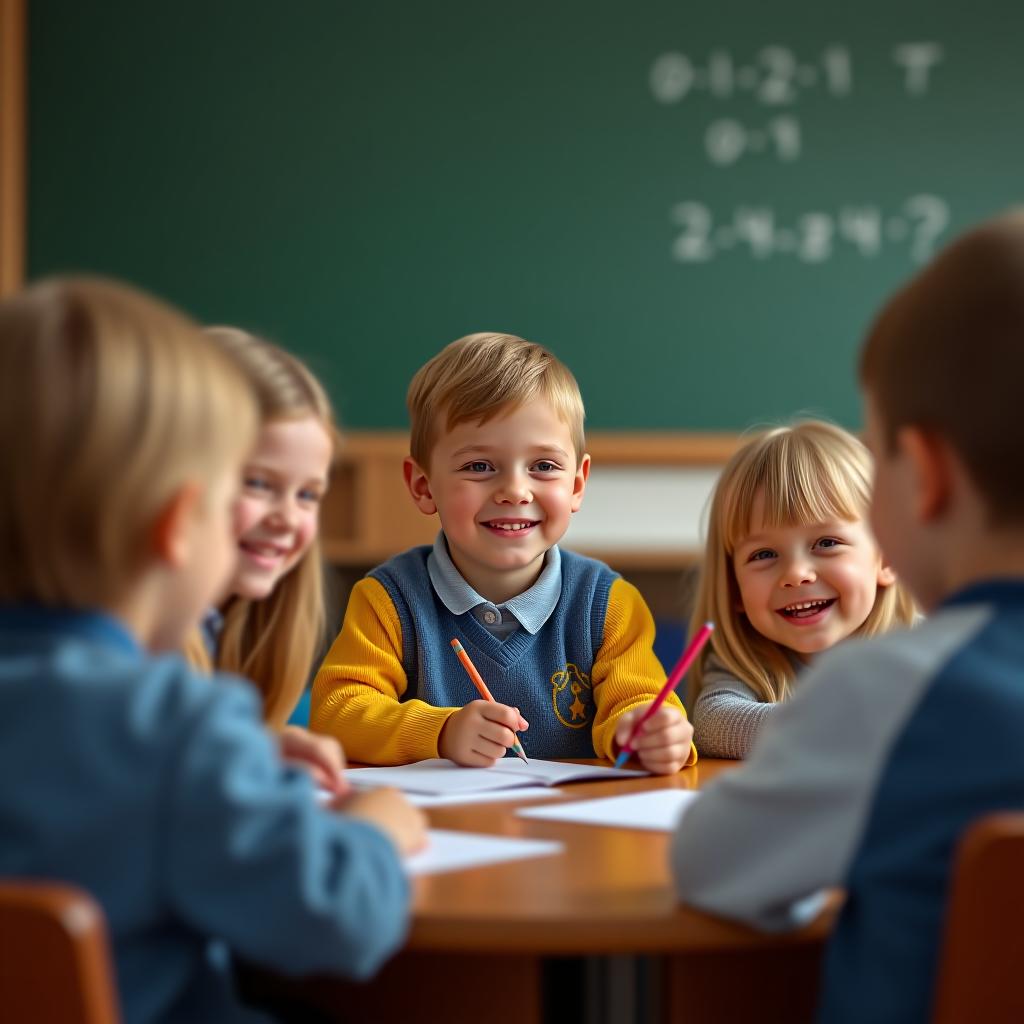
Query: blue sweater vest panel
546, 676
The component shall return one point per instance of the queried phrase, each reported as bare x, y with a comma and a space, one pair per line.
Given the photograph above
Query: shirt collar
210, 627
531, 609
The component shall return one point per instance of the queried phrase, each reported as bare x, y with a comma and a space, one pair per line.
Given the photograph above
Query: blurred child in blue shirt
138, 780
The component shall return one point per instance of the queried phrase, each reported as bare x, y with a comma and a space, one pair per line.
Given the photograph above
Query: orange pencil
481, 686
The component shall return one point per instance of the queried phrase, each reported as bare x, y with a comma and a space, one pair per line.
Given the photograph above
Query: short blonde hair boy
807, 473
109, 402
482, 376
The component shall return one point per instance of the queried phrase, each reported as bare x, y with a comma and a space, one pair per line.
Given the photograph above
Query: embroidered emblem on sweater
572, 697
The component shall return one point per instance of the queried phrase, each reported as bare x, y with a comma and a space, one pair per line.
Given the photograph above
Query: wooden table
485, 943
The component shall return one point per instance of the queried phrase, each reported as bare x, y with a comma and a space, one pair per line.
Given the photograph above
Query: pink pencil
691, 652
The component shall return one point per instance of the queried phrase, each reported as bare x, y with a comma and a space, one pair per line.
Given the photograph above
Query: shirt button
490, 618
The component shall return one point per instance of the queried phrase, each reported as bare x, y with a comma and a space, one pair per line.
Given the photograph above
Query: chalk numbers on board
812, 237
777, 78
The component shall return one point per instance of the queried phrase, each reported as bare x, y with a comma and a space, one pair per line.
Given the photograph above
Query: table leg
770, 986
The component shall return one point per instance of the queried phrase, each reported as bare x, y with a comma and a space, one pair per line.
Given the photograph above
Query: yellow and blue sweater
390, 680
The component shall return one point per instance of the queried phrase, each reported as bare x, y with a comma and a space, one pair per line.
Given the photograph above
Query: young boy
858, 782
156, 789
563, 643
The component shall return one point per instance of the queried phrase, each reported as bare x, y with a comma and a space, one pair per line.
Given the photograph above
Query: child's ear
931, 472
579, 483
419, 486
886, 575
170, 536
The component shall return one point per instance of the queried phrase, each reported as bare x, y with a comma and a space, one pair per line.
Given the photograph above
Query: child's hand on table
404, 825
321, 756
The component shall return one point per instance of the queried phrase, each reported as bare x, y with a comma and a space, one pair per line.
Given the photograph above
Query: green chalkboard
697, 205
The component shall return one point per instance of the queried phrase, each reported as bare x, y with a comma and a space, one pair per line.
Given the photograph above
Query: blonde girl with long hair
790, 569
270, 626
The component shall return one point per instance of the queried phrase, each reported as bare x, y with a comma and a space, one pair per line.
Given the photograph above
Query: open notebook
442, 777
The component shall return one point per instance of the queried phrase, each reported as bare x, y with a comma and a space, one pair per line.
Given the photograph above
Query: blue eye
312, 497
257, 483
477, 467
762, 555
544, 466
828, 543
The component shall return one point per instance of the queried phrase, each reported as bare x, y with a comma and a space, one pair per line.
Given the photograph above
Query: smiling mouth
805, 609
511, 525
263, 552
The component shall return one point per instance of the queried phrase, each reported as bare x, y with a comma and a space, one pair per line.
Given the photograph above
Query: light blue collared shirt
530, 609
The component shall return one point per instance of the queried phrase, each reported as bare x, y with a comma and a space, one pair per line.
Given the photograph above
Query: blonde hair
273, 641
110, 401
483, 375
806, 473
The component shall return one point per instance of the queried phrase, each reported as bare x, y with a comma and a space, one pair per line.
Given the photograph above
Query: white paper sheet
442, 777
552, 773
490, 797
452, 799
658, 810
455, 851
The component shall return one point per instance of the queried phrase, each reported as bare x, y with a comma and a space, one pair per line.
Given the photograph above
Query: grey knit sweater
727, 715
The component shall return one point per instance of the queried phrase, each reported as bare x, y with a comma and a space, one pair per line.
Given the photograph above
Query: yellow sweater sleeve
626, 671
358, 687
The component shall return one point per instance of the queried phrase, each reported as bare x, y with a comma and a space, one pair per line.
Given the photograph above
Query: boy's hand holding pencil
481, 732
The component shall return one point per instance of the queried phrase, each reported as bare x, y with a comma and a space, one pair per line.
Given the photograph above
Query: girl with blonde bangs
790, 569
270, 626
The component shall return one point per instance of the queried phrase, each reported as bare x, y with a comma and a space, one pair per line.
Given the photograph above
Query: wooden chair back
981, 968
55, 962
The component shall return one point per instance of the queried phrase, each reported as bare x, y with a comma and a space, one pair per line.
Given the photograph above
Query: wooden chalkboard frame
12, 145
